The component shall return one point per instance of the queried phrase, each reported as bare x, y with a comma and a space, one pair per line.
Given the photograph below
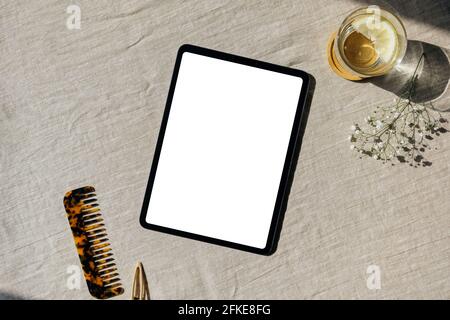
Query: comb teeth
95, 254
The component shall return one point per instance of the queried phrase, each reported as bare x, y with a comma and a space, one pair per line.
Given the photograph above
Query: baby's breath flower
401, 131
379, 124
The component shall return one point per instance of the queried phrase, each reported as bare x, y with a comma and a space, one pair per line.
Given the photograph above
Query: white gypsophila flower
401, 131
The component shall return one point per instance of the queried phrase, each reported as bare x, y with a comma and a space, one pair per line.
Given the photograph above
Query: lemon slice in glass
381, 33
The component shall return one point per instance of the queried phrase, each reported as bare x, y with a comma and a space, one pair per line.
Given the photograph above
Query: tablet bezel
282, 193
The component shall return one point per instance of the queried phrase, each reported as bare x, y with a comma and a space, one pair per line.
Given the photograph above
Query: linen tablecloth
84, 106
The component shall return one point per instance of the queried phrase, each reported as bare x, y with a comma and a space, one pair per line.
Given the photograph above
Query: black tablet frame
283, 191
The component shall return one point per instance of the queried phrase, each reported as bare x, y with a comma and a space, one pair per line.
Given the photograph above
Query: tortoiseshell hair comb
92, 245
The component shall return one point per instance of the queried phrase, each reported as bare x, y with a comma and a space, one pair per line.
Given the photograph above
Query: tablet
225, 150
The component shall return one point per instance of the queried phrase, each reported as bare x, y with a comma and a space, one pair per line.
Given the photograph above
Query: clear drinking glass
370, 42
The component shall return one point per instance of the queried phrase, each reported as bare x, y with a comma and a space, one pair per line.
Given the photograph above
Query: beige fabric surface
83, 107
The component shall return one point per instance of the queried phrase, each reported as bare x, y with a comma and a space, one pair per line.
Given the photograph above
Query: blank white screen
224, 149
